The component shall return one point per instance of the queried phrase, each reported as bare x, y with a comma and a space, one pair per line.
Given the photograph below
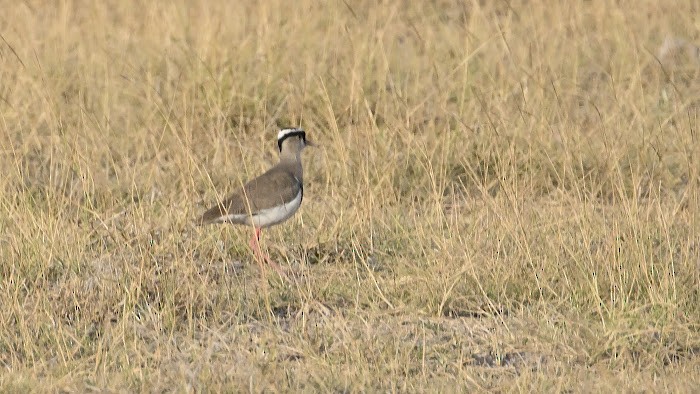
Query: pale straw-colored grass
505, 196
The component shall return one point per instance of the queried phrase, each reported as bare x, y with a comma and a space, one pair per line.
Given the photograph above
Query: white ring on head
284, 132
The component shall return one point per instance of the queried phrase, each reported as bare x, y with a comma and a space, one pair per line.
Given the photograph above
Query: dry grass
506, 197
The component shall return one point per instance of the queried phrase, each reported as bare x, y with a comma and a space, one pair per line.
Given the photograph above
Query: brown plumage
269, 199
279, 185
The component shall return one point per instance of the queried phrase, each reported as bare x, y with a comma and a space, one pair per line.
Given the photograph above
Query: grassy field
506, 196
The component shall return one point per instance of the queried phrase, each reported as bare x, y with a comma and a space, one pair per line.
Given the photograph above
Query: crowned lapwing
269, 199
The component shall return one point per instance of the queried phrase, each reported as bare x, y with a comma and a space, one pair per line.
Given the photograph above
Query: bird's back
275, 189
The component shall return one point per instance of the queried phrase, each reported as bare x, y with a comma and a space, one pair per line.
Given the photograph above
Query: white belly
268, 217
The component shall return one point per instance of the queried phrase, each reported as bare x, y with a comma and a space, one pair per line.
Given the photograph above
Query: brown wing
273, 188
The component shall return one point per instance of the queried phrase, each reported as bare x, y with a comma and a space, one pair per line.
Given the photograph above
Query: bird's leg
263, 257
255, 245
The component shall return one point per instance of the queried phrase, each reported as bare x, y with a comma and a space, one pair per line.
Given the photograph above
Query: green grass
505, 196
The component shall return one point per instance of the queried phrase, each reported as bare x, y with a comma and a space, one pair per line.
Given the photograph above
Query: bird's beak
309, 143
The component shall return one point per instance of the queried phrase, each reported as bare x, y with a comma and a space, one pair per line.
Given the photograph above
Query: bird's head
294, 138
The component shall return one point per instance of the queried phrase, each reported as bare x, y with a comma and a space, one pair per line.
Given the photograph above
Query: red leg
262, 257
254, 245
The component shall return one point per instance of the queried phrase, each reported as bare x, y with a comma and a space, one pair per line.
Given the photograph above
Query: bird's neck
293, 162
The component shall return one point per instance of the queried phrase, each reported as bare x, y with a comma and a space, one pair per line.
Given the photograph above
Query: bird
269, 199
